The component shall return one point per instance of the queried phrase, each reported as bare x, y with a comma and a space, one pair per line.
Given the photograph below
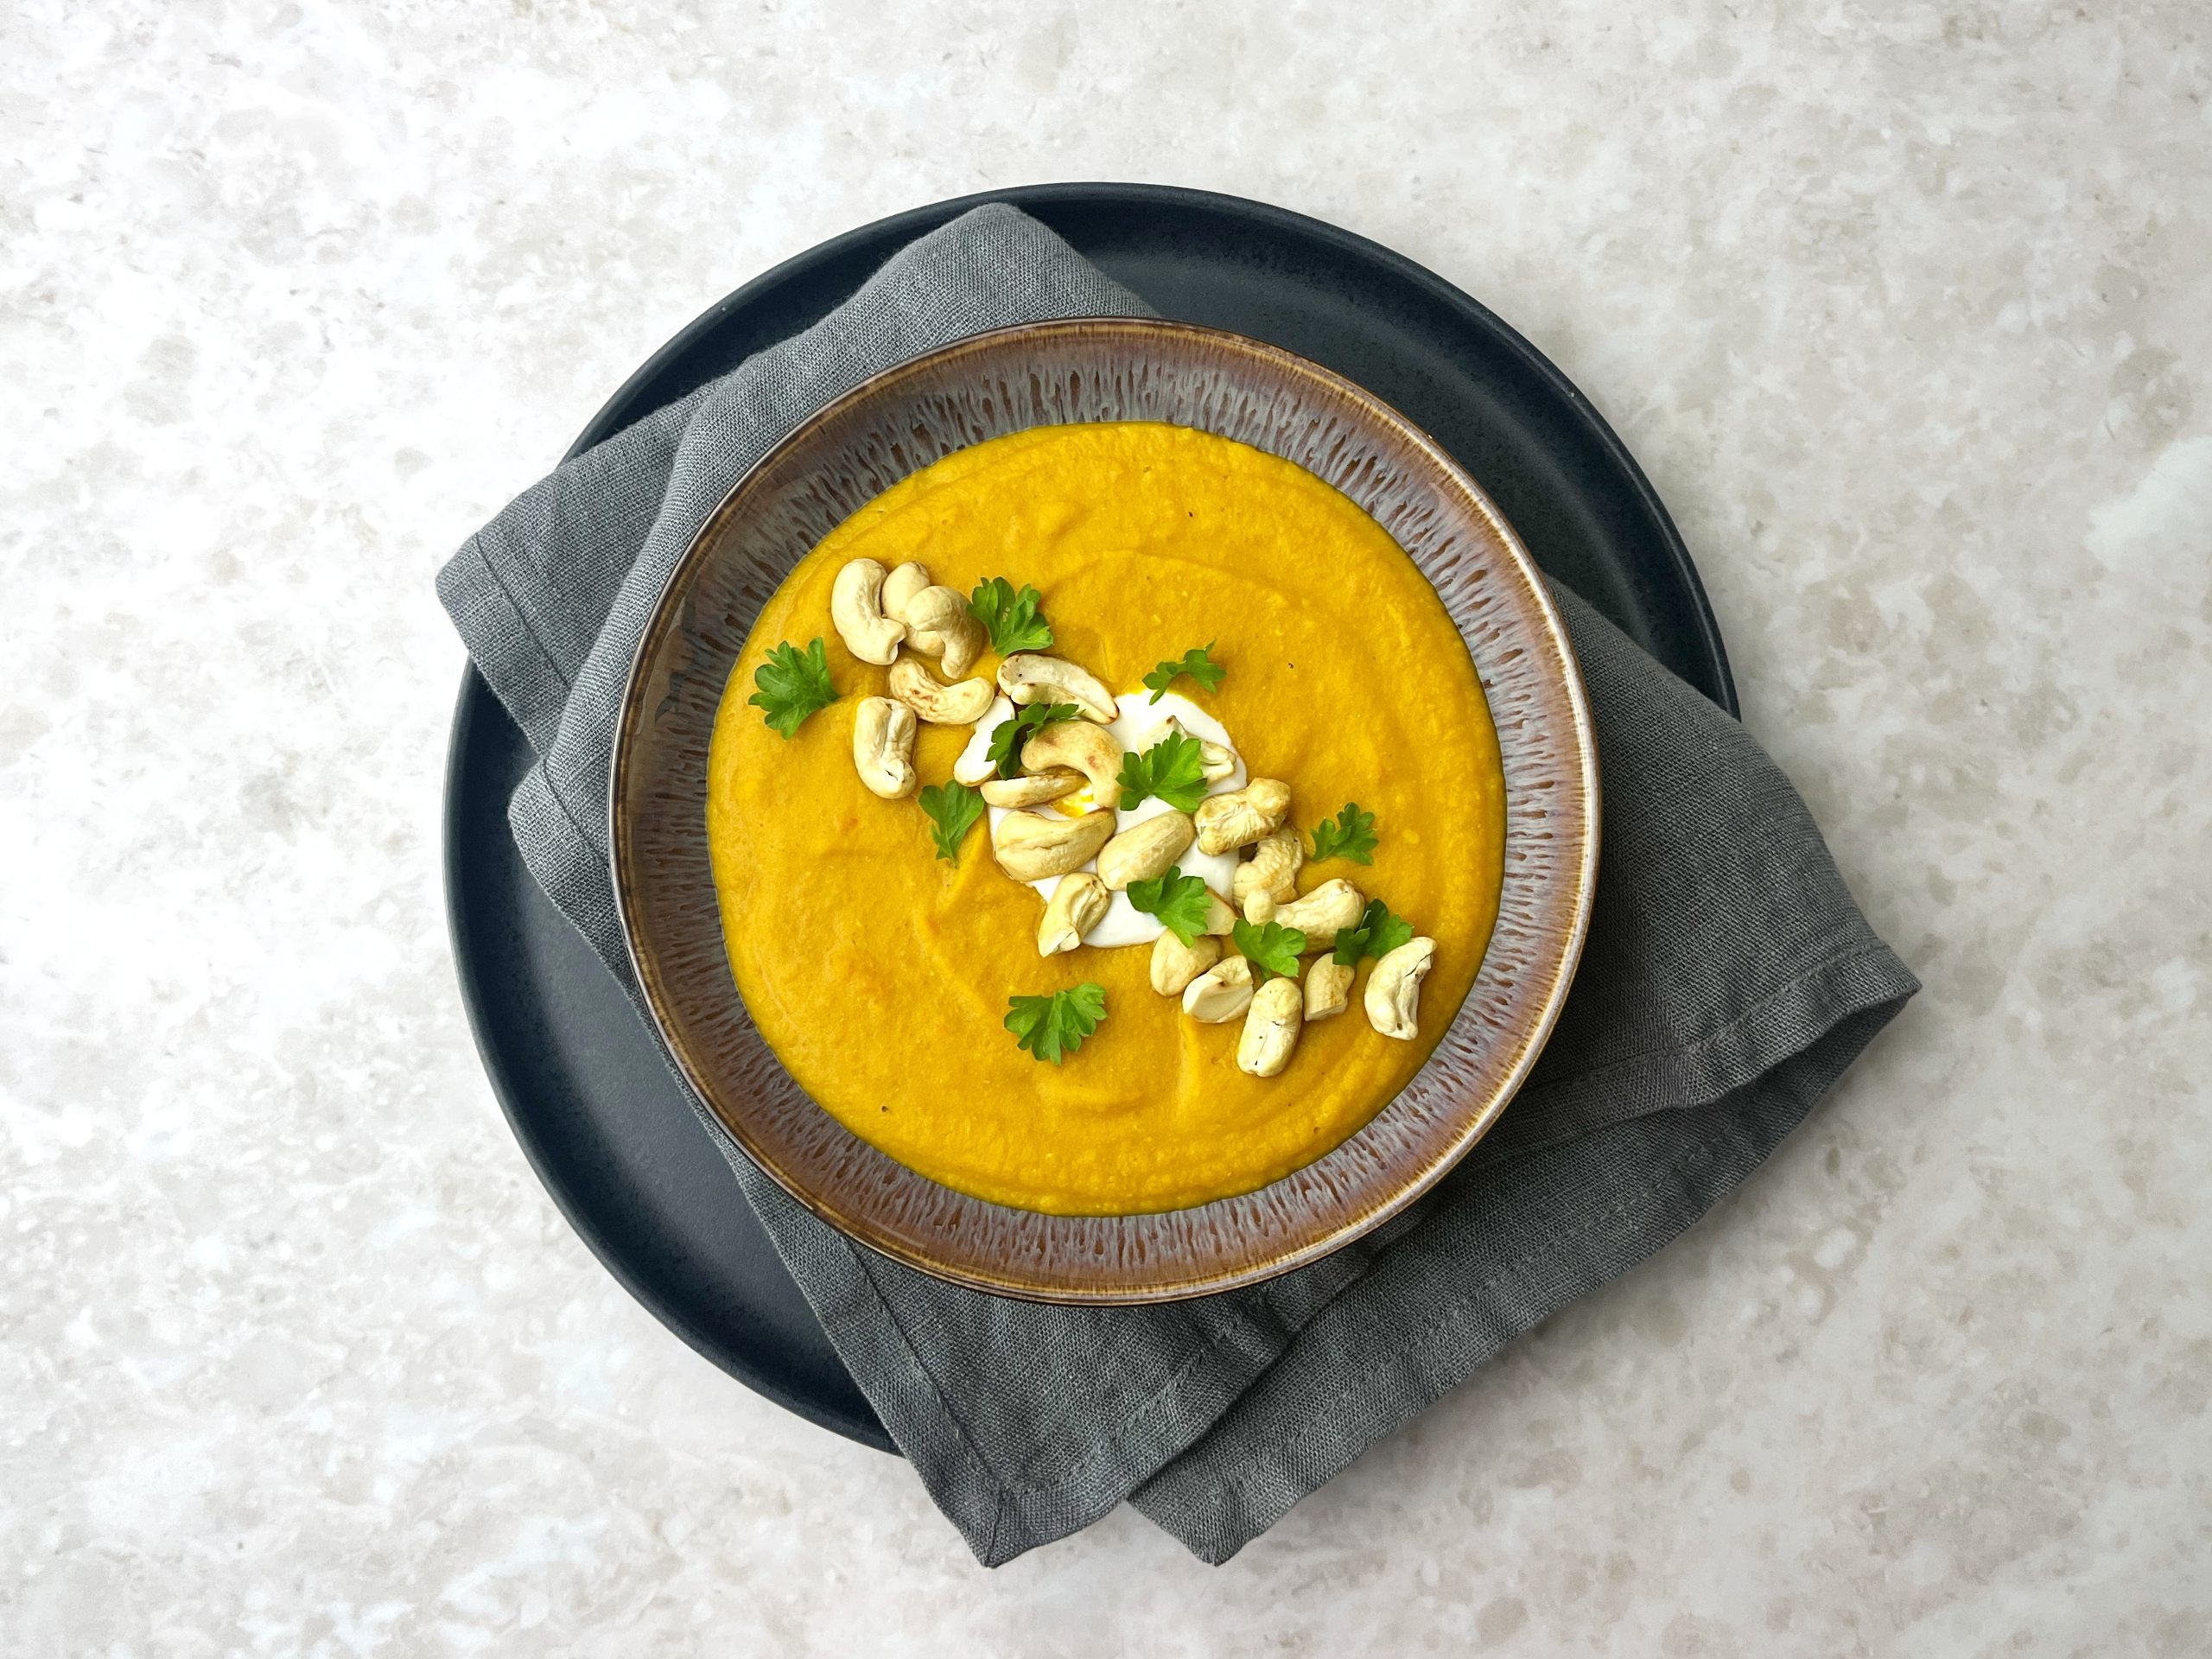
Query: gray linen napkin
1728, 981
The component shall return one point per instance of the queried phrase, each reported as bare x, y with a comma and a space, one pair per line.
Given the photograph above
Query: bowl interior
1105, 370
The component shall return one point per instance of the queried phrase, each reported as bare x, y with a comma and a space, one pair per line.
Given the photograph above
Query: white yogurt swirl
1142, 724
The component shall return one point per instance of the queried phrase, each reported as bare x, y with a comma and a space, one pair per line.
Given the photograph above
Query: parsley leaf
1353, 839
1011, 618
1179, 901
1197, 663
793, 684
953, 809
1049, 1026
1272, 949
1378, 934
1008, 737
1174, 769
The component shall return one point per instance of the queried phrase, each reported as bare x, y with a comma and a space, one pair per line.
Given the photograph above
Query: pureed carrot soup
1139, 830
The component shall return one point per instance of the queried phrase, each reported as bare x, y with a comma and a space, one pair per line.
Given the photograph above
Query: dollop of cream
1140, 724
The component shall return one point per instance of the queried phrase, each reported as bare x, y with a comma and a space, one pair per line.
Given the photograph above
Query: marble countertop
1906, 311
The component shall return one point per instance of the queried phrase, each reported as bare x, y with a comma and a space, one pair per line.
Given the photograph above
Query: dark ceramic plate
578, 1076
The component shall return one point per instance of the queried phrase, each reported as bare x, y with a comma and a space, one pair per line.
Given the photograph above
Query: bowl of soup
1105, 811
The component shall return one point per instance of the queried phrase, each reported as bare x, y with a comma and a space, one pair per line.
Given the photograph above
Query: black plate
577, 1072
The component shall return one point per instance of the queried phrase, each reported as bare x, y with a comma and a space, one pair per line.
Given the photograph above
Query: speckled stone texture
1906, 311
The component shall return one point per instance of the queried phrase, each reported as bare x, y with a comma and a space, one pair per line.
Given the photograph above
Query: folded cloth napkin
1728, 981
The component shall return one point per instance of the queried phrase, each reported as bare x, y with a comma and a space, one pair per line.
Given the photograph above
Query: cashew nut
1259, 907
938, 623
1220, 920
1175, 964
1221, 993
1273, 869
1090, 749
1324, 913
1271, 1028
941, 705
1077, 905
1215, 762
1144, 850
1242, 816
1028, 678
883, 746
856, 606
973, 764
1394, 988
900, 588
1032, 788
959, 644
1030, 846
1328, 990
932, 610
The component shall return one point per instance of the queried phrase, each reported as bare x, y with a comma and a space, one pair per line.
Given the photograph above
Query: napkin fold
1728, 980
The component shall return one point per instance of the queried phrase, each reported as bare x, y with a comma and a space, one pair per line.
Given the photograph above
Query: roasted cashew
930, 610
1259, 907
938, 623
1144, 850
941, 705
1394, 988
1175, 964
1273, 869
883, 746
1077, 905
1324, 913
1271, 1028
1028, 676
1090, 749
1215, 762
1242, 816
900, 587
974, 764
958, 645
856, 606
1030, 846
1032, 788
1328, 990
1221, 920
1221, 993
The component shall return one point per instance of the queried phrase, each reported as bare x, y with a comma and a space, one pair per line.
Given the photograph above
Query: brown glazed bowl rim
1175, 1261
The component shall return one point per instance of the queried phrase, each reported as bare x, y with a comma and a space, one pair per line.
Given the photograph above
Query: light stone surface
1906, 311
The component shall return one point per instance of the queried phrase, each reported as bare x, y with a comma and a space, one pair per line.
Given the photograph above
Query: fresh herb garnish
1271, 948
1353, 838
1199, 664
793, 684
953, 809
1174, 769
1008, 737
1378, 934
1181, 902
1012, 619
1049, 1026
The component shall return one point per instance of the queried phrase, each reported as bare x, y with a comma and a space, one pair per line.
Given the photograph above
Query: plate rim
1004, 1278
470, 704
